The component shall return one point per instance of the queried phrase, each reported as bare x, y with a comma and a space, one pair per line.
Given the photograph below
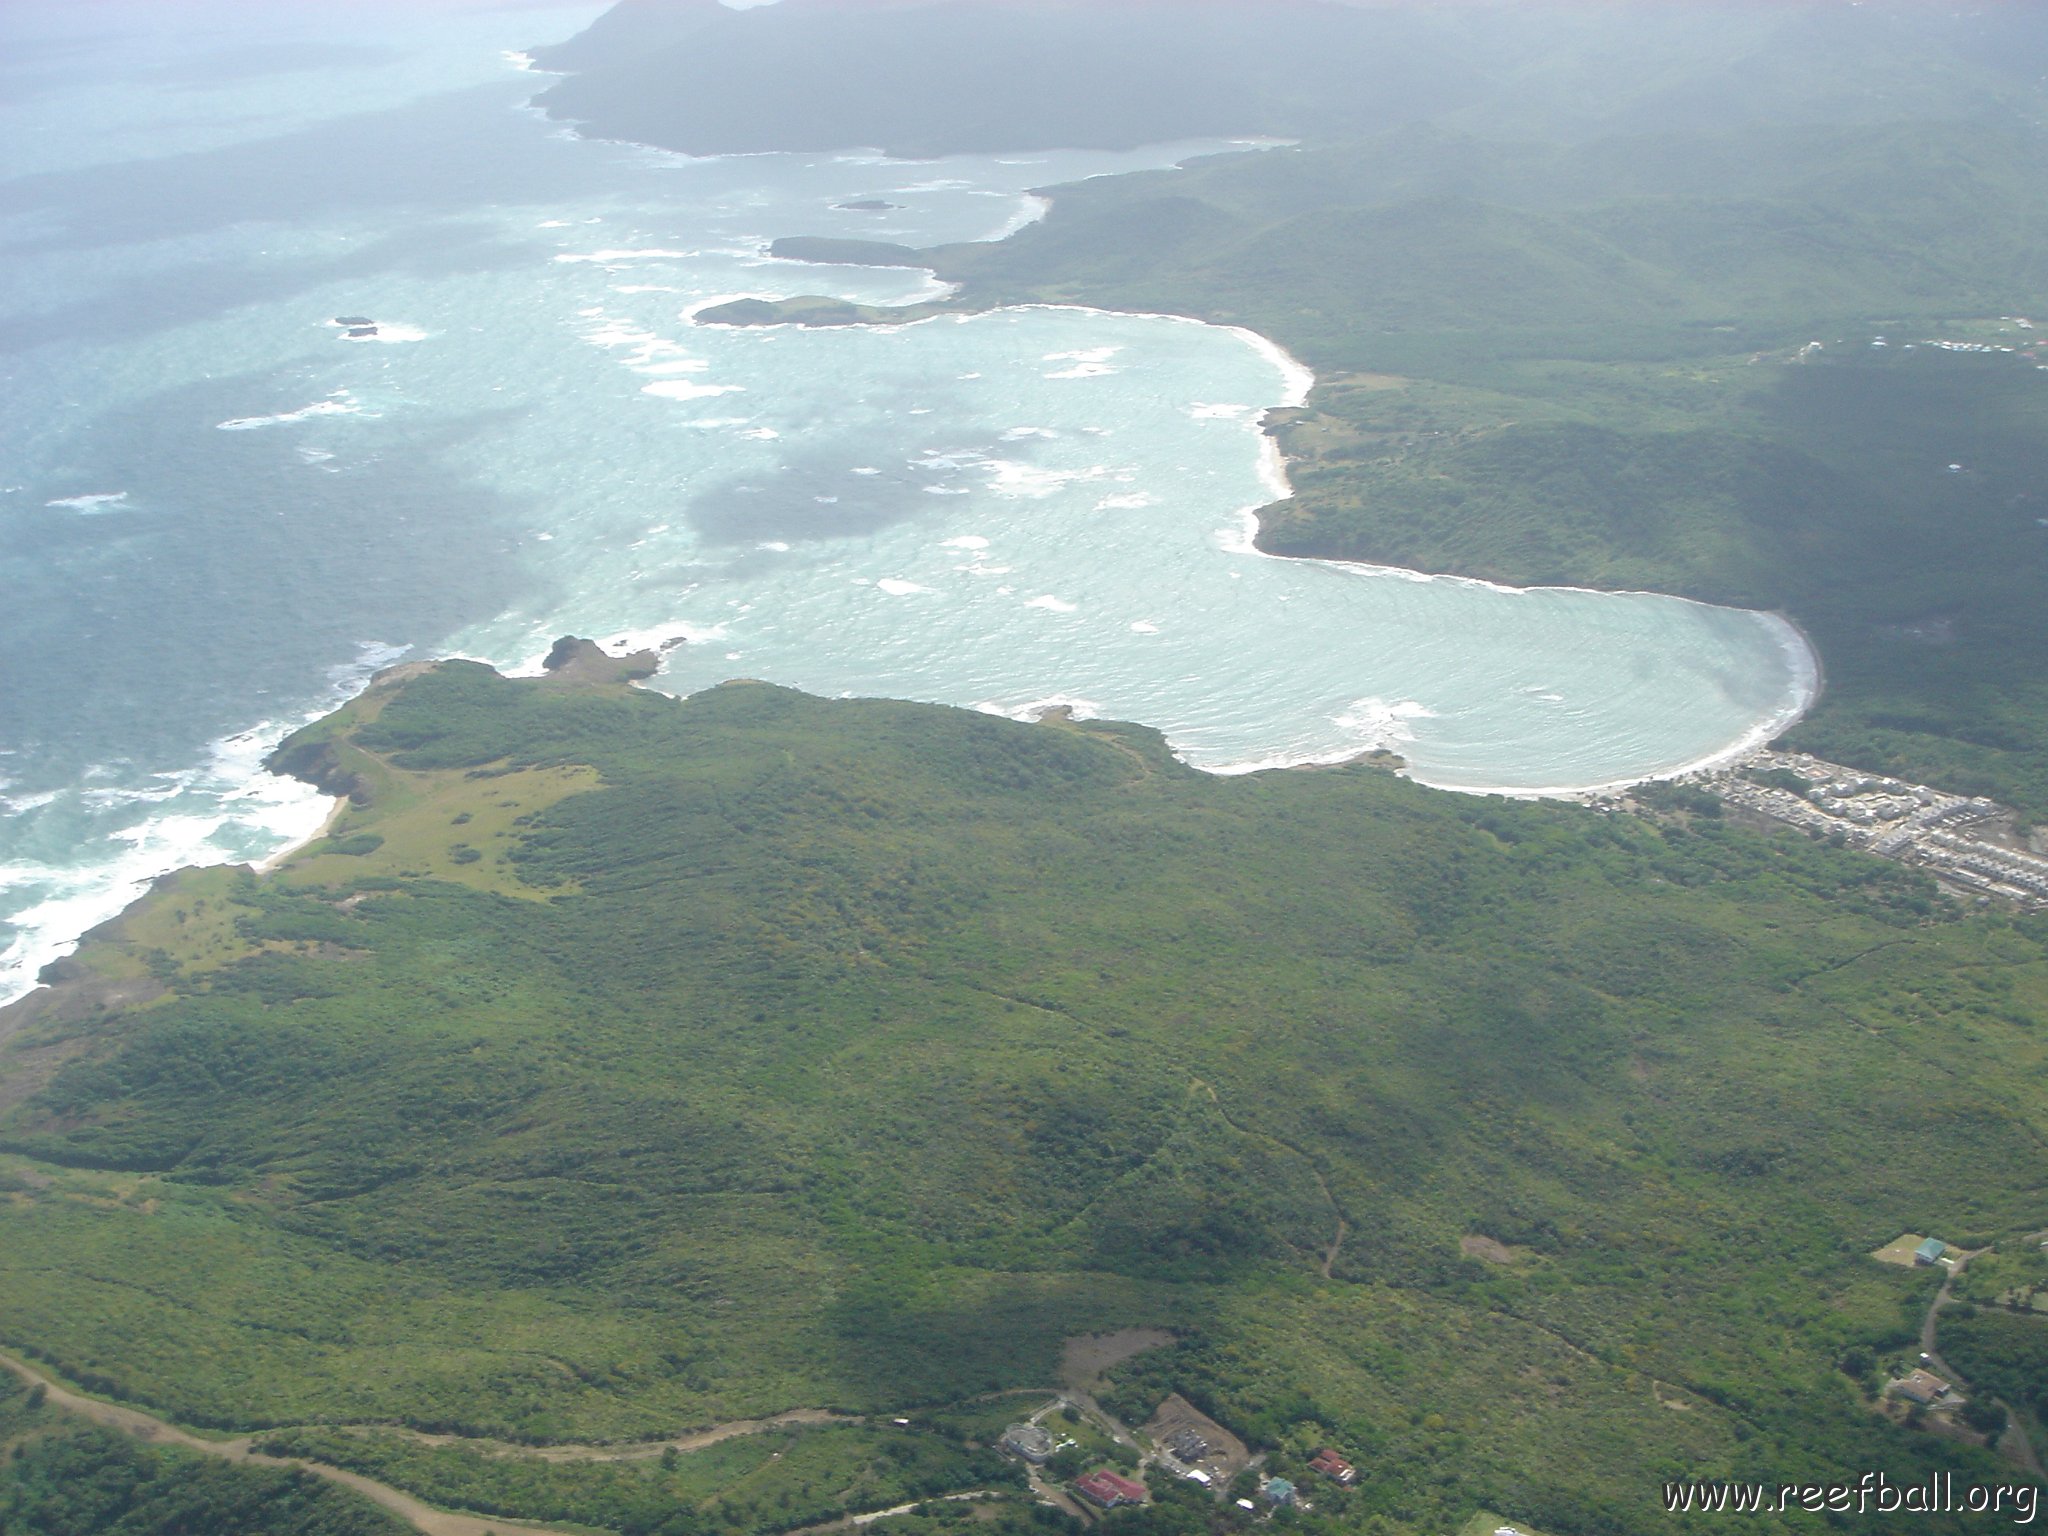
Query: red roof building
1108, 1490
1331, 1465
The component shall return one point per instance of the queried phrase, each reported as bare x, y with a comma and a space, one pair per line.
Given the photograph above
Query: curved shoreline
1297, 382
1805, 669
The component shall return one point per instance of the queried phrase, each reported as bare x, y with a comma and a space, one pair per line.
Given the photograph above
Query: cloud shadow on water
165, 298
440, 156
236, 574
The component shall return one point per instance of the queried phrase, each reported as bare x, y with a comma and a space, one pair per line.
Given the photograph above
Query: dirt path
2015, 1444
422, 1516
133, 1421
1087, 1357
1336, 1245
644, 1450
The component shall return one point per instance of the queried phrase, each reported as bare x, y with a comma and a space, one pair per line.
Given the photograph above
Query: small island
869, 205
583, 662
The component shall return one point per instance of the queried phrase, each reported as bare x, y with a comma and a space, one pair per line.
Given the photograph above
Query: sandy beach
326, 825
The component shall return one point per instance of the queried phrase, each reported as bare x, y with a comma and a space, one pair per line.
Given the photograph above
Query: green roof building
1930, 1252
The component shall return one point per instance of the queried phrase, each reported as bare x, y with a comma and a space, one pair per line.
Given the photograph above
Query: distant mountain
927, 77
954, 76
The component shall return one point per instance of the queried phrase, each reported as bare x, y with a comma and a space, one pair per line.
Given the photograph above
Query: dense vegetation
60, 1477
957, 76
1590, 365
852, 1055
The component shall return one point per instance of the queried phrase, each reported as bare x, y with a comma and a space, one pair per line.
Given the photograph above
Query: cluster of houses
1278, 1491
1179, 1451
1964, 841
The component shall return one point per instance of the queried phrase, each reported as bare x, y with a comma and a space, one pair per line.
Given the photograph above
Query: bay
219, 510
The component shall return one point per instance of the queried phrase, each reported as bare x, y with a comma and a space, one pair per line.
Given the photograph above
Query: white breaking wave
1007, 477
1372, 725
1037, 709
389, 333
1030, 211
105, 501
340, 403
227, 807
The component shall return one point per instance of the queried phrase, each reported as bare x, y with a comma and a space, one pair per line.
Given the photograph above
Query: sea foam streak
89, 506
340, 403
226, 807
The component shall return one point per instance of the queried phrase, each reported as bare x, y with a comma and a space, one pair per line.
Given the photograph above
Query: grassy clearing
456, 827
1899, 1250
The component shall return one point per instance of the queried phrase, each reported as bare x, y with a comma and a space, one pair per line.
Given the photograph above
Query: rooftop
1108, 1487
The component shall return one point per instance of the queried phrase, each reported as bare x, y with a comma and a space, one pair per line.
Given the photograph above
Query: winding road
422, 1516
2016, 1445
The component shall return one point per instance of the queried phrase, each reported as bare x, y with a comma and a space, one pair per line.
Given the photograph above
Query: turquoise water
218, 512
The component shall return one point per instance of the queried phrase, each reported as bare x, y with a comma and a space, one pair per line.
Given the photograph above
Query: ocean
221, 511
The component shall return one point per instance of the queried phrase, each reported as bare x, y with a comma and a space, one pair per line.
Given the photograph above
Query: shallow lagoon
218, 511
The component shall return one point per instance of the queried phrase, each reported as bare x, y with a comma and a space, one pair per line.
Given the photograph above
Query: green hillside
60, 1477
621, 1065
921, 78
1591, 364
